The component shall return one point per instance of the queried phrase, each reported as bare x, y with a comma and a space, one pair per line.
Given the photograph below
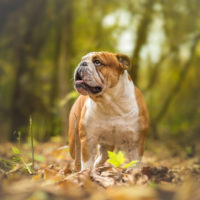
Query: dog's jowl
109, 114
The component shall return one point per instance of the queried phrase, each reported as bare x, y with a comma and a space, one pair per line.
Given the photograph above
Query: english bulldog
109, 114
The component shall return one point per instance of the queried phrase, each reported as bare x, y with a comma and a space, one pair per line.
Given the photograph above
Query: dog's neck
119, 100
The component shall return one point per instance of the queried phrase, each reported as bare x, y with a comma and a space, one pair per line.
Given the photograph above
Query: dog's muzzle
84, 80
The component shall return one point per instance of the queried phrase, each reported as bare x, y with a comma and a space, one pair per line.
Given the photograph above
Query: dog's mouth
80, 83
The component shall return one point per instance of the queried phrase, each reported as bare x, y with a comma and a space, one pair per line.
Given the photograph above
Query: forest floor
169, 172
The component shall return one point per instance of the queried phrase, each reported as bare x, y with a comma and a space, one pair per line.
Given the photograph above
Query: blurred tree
172, 94
7, 7
27, 47
141, 38
43, 41
66, 53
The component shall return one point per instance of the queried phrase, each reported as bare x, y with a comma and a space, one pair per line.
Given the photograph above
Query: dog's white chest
112, 130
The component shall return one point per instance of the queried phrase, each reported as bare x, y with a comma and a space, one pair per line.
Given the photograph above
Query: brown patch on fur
143, 120
74, 120
85, 154
111, 69
124, 60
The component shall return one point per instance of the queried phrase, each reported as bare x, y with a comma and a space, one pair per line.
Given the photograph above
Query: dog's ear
124, 60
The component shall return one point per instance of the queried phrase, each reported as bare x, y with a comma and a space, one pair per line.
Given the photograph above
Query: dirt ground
169, 172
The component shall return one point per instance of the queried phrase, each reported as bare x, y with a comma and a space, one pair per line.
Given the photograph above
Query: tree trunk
142, 34
177, 87
65, 70
156, 70
20, 107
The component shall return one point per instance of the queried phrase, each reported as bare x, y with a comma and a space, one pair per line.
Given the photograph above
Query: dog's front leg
102, 154
134, 154
88, 153
131, 150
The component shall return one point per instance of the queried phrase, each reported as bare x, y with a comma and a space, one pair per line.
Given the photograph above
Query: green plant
16, 151
19, 138
18, 158
118, 159
31, 135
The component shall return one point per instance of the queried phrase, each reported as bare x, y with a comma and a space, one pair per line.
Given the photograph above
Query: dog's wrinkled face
98, 71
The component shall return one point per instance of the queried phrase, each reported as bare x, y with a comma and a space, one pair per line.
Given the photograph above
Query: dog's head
98, 71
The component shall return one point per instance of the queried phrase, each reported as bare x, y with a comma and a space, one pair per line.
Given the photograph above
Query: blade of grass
32, 146
26, 166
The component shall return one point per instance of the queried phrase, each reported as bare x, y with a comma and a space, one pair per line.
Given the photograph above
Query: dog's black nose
83, 64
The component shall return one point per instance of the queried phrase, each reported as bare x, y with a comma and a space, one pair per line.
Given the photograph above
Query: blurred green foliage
42, 42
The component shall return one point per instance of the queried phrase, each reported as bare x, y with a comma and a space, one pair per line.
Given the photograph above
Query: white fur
113, 120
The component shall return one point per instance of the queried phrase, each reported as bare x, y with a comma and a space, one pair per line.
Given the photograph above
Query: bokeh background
42, 42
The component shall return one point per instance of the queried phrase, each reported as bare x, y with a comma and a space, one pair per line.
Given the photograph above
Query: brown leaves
158, 174
107, 177
55, 179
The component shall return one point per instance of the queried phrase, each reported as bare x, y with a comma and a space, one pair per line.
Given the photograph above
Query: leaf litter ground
166, 174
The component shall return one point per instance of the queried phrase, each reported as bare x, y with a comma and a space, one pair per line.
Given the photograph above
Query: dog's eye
97, 62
